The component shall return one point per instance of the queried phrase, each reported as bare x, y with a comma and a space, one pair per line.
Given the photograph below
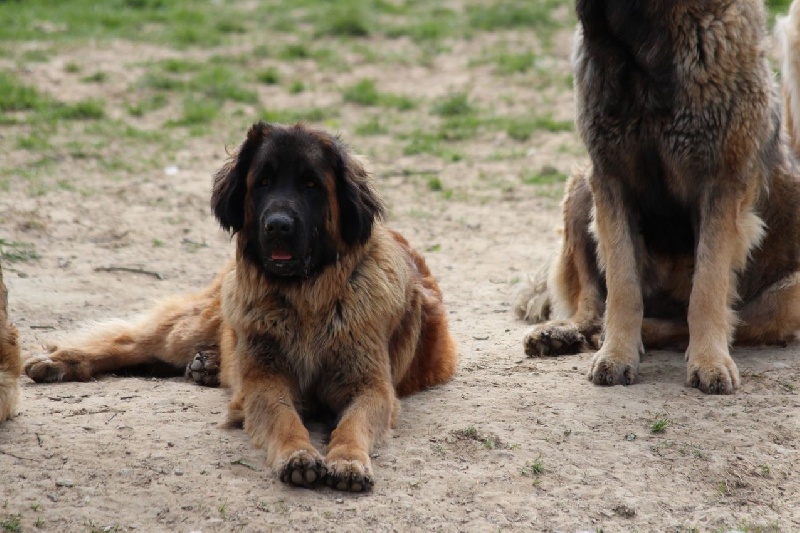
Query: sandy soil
510, 444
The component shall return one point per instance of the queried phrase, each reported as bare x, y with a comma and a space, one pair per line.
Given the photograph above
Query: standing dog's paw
303, 468
349, 475
42, 369
559, 337
713, 374
204, 368
611, 368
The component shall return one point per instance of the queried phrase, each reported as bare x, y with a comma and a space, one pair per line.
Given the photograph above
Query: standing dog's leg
727, 232
617, 361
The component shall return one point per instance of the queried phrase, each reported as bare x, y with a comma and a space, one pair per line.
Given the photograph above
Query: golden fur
350, 338
685, 230
10, 364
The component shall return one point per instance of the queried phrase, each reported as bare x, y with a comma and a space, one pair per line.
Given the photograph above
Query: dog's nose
279, 225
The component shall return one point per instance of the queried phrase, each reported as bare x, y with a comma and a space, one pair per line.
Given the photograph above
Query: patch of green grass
16, 96
548, 175
778, 6
297, 86
295, 51
147, 104
72, 68
36, 55
533, 468
179, 66
290, 116
12, 524
366, 93
503, 14
197, 112
521, 129
372, 126
222, 83
17, 252
660, 425
346, 18
97, 77
435, 184
269, 76
453, 105
507, 63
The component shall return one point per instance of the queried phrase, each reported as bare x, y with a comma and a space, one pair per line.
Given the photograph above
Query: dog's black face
296, 198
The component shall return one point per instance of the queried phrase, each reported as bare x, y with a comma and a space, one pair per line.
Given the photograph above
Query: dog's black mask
295, 196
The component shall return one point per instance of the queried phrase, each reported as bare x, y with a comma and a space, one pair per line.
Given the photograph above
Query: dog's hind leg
569, 292
172, 333
773, 317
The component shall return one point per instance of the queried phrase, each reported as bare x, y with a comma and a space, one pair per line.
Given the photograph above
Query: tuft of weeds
269, 76
11, 524
454, 105
17, 252
366, 93
533, 468
660, 424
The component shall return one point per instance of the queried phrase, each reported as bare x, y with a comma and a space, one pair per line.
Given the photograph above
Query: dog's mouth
280, 255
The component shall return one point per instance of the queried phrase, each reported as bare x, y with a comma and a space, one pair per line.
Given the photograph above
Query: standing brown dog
686, 229
10, 365
323, 307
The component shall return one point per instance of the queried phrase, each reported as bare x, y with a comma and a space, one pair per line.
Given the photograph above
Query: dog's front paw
204, 368
42, 369
349, 475
559, 337
712, 373
612, 367
303, 468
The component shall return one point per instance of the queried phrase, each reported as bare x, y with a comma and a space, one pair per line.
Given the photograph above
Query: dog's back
10, 365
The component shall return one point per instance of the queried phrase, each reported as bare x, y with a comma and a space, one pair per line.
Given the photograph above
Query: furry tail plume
788, 32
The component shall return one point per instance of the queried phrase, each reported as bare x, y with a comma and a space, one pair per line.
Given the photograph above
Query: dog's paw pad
554, 338
303, 469
349, 476
204, 368
718, 377
42, 369
609, 370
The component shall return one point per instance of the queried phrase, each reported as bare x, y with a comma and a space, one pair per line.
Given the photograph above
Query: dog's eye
311, 184
264, 182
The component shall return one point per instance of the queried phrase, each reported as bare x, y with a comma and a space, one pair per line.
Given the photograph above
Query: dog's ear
230, 182
359, 203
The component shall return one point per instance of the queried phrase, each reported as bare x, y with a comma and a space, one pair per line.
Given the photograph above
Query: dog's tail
788, 32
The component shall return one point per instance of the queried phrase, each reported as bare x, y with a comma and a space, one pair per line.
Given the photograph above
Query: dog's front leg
266, 398
617, 361
728, 230
364, 421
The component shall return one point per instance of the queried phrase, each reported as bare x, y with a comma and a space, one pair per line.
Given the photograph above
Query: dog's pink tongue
279, 255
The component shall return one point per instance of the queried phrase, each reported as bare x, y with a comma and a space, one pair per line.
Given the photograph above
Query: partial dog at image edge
684, 231
788, 32
10, 363
323, 310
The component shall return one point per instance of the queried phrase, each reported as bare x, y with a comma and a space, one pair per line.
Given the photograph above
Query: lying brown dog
10, 364
686, 228
323, 307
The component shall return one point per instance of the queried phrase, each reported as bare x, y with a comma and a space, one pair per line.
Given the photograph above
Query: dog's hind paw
42, 369
204, 368
559, 337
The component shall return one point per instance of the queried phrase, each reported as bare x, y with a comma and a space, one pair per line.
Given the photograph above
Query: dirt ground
511, 444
